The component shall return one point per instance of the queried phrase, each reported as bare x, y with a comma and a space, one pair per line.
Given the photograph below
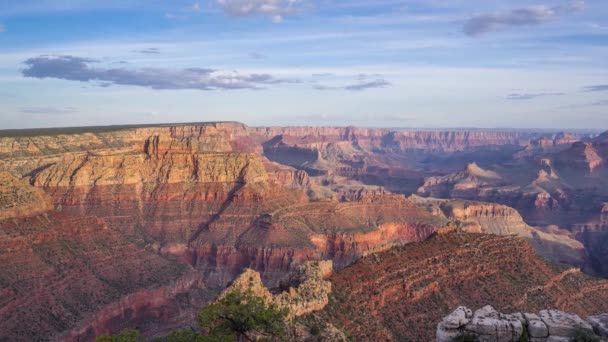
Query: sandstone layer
158, 218
556, 189
492, 218
402, 293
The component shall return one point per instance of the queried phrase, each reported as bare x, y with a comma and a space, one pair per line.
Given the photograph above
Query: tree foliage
185, 335
240, 315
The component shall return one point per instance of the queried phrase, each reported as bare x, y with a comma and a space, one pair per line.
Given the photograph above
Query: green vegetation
185, 335
238, 316
124, 336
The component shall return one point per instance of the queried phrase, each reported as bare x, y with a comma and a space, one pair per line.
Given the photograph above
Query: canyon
401, 294
105, 228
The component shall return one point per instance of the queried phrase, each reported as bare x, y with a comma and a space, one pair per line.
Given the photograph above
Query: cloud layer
272, 8
530, 96
48, 110
528, 16
79, 69
379, 83
600, 87
148, 51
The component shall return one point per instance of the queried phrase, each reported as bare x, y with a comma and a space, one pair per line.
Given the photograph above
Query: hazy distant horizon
80, 129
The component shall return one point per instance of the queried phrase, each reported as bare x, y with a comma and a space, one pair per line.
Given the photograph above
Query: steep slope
150, 221
59, 271
195, 204
402, 293
19, 199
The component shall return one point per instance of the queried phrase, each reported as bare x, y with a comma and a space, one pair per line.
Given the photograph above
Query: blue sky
382, 63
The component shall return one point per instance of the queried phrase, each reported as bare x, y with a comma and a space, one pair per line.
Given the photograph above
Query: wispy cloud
148, 51
600, 103
276, 9
527, 16
48, 110
196, 7
600, 87
379, 83
2, 28
79, 69
530, 96
257, 55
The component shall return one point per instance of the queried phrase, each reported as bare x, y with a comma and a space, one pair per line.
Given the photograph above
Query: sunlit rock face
139, 227
180, 210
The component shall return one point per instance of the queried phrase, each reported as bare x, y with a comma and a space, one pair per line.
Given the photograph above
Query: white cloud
2, 28
527, 16
276, 9
80, 69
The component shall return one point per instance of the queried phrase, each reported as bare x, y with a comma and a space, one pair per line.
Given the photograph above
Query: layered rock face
61, 272
148, 222
491, 218
402, 293
397, 160
560, 187
18, 199
275, 241
487, 324
181, 210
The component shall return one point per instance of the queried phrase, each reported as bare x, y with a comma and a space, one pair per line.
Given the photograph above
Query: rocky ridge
487, 324
307, 288
402, 293
306, 291
492, 218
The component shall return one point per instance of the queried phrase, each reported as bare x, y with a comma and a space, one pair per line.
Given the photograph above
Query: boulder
491, 325
564, 324
445, 334
520, 317
599, 324
536, 327
558, 339
460, 317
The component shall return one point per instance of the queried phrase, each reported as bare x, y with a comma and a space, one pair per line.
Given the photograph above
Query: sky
368, 63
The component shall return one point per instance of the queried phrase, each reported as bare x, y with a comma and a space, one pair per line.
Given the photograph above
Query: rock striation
487, 324
492, 218
19, 199
179, 211
402, 293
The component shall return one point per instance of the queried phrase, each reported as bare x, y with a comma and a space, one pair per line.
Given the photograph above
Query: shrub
240, 314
